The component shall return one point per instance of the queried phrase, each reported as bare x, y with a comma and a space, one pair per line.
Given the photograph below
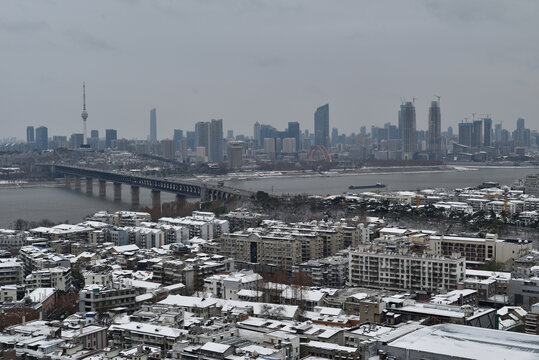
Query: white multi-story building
11, 272
476, 249
228, 286
58, 278
421, 274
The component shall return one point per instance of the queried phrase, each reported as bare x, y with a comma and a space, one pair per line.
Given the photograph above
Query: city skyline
275, 62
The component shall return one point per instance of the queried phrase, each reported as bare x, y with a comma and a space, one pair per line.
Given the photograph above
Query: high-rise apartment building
30, 134
408, 122
256, 134
293, 132
477, 131
76, 141
235, 154
520, 124
215, 153
153, 125
167, 148
321, 126
487, 127
191, 139
110, 136
42, 138
435, 131
498, 132
202, 132
465, 133
178, 136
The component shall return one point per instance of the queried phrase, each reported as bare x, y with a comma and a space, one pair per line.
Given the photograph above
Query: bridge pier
135, 195
156, 204
77, 183
117, 191
204, 194
89, 185
102, 188
67, 179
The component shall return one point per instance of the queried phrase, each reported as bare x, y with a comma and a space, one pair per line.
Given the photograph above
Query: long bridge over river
206, 192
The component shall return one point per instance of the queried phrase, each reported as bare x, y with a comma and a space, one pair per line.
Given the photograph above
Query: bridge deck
178, 187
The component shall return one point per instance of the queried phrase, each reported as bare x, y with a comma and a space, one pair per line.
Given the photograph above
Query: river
58, 204
337, 184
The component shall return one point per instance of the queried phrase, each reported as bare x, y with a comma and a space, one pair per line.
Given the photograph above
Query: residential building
42, 138
435, 131
421, 274
153, 124
101, 299
57, 277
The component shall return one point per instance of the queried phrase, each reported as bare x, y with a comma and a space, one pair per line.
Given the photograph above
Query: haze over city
266, 61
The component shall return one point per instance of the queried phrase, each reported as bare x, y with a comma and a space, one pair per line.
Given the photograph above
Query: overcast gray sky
267, 61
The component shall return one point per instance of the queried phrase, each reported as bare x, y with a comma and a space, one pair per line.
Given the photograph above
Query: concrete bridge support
117, 191
102, 188
77, 183
156, 204
89, 185
135, 195
67, 179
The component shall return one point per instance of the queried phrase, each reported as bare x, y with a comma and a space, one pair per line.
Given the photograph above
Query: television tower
84, 115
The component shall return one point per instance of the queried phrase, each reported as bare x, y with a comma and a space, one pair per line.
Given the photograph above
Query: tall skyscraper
256, 134
191, 140
153, 125
202, 133
498, 132
334, 136
363, 130
321, 126
520, 124
450, 131
84, 116
30, 134
487, 127
477, 131
178, 136
235, 153
110, 135
435, 131
408, 123
293, 132
465, 133
215, 153
94, 134
42, 138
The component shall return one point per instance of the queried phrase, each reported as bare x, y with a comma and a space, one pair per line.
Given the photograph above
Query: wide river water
58, 204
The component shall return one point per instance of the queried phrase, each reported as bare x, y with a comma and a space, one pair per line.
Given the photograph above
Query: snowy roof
125, 248
215, 347
189, 301
451, 297
469, 342
144, 328
330, 346
304, 295
41, 294
249, 293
